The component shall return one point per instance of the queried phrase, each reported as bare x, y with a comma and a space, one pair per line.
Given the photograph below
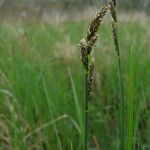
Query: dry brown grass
4, 136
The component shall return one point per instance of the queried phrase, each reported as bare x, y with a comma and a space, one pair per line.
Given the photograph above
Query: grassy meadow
42, 86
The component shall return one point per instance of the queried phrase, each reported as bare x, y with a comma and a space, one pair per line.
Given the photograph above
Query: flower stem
86, 106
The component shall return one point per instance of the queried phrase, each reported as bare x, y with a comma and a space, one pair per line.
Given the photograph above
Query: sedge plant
86, 46
113, 11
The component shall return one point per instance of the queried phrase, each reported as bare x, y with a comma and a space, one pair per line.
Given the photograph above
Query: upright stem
86, 107
122, 108
121, 89
113, 6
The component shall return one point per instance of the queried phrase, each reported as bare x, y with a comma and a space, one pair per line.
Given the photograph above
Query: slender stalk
51, 113
130, 106
86, 106
122, 107
121, 89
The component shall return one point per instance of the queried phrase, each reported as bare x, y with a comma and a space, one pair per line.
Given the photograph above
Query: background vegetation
42, 80
36, 8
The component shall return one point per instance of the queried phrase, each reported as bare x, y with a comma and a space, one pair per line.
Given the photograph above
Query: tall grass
78, 109
86, 49
22, 57
113, 8
51, 113
86, 46
130, 106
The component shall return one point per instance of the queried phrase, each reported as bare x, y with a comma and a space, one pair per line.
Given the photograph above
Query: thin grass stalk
130, 106
86, 106
86, 46
113, 10
122, 108
52, 122
78, 110
50, 111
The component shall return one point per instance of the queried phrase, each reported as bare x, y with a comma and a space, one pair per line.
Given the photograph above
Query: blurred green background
42, 78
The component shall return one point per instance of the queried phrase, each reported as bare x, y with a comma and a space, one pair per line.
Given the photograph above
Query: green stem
121, 89
122, 107
130, 106
86, 107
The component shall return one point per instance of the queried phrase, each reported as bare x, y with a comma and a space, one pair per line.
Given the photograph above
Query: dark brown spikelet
4, 137
114, 25
91, 78
88, 42
86, 48
96, 23
113, 11
115, 37
114, 2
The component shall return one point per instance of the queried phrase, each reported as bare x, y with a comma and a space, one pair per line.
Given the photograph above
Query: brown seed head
91, 78
113, 10
96, 23
114, 2
88, 42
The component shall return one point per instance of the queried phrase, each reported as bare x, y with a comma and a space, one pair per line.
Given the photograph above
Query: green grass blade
130, 106
50, 109
78, 109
